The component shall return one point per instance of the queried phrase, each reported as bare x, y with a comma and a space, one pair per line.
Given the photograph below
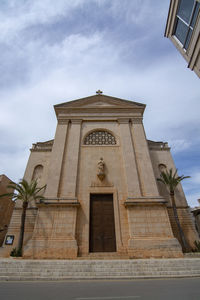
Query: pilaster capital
76, 121
137, 120
123, 120
63, 121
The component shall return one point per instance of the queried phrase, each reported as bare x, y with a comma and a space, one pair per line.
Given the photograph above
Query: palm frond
171, 179
24, 191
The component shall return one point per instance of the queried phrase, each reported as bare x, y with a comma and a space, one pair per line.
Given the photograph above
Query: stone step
21, 269
104, 256
100, 268
96, 273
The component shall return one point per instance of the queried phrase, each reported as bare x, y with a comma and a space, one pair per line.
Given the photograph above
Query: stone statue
100, 169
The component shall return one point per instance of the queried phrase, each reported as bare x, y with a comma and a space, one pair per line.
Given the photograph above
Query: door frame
113, 191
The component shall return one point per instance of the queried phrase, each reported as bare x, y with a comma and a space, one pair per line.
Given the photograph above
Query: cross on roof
99, 92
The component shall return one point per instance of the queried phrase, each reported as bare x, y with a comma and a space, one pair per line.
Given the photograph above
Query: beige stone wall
14, 228
187, 225
6, 207
36, 158
197, 220
53, 235
150, 221
163, 156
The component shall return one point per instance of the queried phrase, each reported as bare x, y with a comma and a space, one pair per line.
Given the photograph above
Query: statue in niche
100, 169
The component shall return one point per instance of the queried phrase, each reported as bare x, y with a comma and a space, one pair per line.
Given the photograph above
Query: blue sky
56, 51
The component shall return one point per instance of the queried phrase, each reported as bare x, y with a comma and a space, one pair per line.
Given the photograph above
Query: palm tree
25, 192
171, 181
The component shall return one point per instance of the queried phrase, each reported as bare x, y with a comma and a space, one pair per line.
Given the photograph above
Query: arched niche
37, 173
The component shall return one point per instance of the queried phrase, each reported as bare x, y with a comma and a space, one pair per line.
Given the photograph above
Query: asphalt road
183, 289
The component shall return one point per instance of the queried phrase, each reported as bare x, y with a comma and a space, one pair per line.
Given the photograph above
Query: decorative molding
177, 206
28, 208
76, 121
41, 150
158, 146
63, 121
144, 201
137, 120
42, 146
101, 184
123, 120
58, 202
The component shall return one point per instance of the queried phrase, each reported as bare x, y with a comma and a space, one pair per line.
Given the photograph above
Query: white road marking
109, 298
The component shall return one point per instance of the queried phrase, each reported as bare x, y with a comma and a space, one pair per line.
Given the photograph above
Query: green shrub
16, 252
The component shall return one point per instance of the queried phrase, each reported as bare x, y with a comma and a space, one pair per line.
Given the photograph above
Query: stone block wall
6, 207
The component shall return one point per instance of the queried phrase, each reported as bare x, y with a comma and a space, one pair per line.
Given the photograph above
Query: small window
100, 137
185, 21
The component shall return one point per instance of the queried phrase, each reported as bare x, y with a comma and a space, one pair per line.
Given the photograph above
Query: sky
56, 51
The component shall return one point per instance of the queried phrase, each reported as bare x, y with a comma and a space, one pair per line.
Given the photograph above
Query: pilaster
132, 180
70, 166
145, 169
55, 167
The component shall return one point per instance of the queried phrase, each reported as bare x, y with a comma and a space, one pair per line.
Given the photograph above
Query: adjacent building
183, 29
196, 214
102, 196
6, 207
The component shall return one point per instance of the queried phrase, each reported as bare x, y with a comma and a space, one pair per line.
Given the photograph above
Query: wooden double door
102, 224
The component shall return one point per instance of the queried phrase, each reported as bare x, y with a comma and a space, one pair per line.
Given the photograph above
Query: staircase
21, 269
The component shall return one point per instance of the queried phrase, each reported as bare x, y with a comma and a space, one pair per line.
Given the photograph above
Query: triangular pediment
99, 101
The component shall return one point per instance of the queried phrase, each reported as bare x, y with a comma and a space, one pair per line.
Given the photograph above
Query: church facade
102, 196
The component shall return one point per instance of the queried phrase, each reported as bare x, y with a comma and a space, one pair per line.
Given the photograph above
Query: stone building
183, 29
196, 213
102, 196
6, 207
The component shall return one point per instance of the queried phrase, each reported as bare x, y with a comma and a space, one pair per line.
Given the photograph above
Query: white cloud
13, 164
179, 145
192, 199
137, 13
196, 179
18, 15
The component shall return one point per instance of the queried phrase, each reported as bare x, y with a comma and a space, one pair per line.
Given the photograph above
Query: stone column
145, 169
131, 172
55, 167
